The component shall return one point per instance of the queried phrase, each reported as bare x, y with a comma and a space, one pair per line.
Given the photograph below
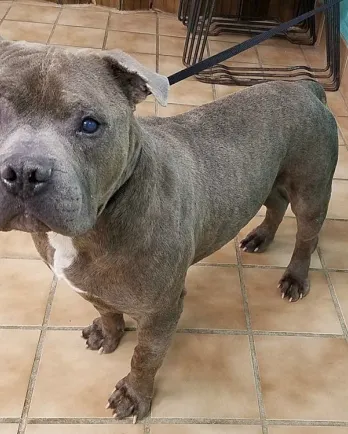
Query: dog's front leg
133, 394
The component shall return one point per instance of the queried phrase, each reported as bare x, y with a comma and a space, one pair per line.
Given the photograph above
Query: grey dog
121, 207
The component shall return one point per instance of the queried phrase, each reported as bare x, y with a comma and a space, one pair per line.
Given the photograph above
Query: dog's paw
96, 340
293, 288
125, 401
256, 241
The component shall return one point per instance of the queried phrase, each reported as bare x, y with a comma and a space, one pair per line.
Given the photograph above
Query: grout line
218, 265
291, 422
186, 421
8, 10
213, 85
152, 420
175, 421
157, 58
81, 421
9, 420
54, 25
334, 297
181, 421
106, 34
36, 363
197, 331
254, 361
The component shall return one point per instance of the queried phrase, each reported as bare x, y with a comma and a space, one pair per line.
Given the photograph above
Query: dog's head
66, 133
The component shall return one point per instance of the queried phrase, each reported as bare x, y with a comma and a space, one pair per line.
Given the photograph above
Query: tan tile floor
243, 361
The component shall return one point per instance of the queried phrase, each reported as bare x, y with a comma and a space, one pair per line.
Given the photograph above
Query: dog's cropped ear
136, 80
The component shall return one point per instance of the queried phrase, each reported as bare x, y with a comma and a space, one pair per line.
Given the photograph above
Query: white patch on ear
157, 84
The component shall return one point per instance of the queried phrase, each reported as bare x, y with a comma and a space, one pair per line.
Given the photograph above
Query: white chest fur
64, 256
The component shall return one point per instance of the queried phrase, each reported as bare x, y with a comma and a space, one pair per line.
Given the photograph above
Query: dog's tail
316, 88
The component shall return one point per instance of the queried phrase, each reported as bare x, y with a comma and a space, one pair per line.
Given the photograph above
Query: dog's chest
64, 256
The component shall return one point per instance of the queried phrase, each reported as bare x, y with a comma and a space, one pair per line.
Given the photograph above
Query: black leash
233, 51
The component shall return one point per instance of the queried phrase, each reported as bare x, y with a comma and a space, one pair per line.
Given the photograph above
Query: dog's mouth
26, 222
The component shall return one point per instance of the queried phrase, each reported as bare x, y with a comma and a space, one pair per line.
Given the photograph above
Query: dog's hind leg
310, 206
259, 239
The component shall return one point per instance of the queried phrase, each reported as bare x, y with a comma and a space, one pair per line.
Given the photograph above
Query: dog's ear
137, 82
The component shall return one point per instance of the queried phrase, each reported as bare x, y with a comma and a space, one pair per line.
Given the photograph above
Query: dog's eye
89, 126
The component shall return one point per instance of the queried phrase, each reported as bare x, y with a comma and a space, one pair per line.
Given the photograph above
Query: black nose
25, 177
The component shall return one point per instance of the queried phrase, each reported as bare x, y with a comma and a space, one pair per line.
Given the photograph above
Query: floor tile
171, 46
171, 26
226, 255
222, 90
222, 387
315, 56
291, 56
338, 206
303, 378
168, 65
70, 309
340, 283
342, 123
17, 244
280, 43
131, 42
23, 280
4, 7
22, 31
248, 56
38, 14
228, 37
342, 164
83, 18
76, 49
213, 299
336, 103
145, 109
204, 429
85, 429
191, 93
9, 428
17, 351
148, 60
333, 243
174, 109
280, 251
82, 381
307, 430
315, 313
133, 22
78, 36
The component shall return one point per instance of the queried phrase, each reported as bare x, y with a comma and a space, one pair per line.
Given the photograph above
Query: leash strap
233, 51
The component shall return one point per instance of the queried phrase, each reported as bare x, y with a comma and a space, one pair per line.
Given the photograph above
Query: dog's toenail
283, 294
290, 299
101, 351
107, 406
135, 418
301, 295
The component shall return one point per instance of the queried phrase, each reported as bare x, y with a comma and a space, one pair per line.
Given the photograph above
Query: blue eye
89, 126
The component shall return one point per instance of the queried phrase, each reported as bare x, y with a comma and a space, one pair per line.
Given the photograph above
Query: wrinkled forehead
43, 80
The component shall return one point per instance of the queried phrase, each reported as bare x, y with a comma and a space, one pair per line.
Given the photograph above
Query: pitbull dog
121, 207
